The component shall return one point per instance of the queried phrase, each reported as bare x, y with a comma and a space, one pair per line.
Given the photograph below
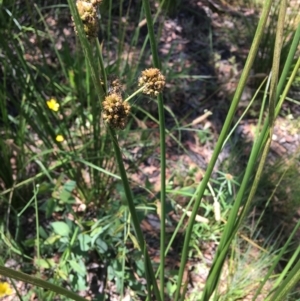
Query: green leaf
66, 197
29, 242
62, 274
43, 233
46, 263
140, 267
171, 288
52, 239
110, 273
78, 268
102, 246
61, 228
78, 282
70, 186
84, 242
50, 207
97, 231
37, 282
81, 283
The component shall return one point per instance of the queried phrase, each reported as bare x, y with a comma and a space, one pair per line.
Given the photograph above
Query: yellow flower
53, 104
5, 289
59, 138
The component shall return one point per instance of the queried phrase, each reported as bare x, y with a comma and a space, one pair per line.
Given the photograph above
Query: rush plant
101, 127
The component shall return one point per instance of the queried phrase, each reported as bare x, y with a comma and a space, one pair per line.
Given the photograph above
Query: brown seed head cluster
114, 85
115, 111
153, 81
87, 11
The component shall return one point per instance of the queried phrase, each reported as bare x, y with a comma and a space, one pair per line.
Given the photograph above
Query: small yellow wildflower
53, 104
5, 289
59, 138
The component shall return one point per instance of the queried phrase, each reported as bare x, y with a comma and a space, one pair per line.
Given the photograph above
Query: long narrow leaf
211, 283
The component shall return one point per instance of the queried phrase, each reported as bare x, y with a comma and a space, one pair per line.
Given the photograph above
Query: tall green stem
130, 203
99, 89
259, 33
10, 273
233, 224
161, 114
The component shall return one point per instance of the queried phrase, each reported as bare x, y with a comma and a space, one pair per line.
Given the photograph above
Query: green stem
39, 282
289, 282
135, 93
233, 224
100, 92
288, 63
161, 114
209, 288
274, 264
272, 106
102, 67
276, 61
135, 221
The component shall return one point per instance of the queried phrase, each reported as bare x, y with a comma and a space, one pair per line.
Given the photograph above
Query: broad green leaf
78, 268
66, 197
52, 239
102, 246
62, 274
97, 231
61, 228
70, 186
81, 283
84, 242
45, 263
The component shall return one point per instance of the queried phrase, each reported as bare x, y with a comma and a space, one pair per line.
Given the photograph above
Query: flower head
115, 111
53, 104
5, 289
153, 81
115, 85
88, 14
59, 138
228, 177
96, 2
